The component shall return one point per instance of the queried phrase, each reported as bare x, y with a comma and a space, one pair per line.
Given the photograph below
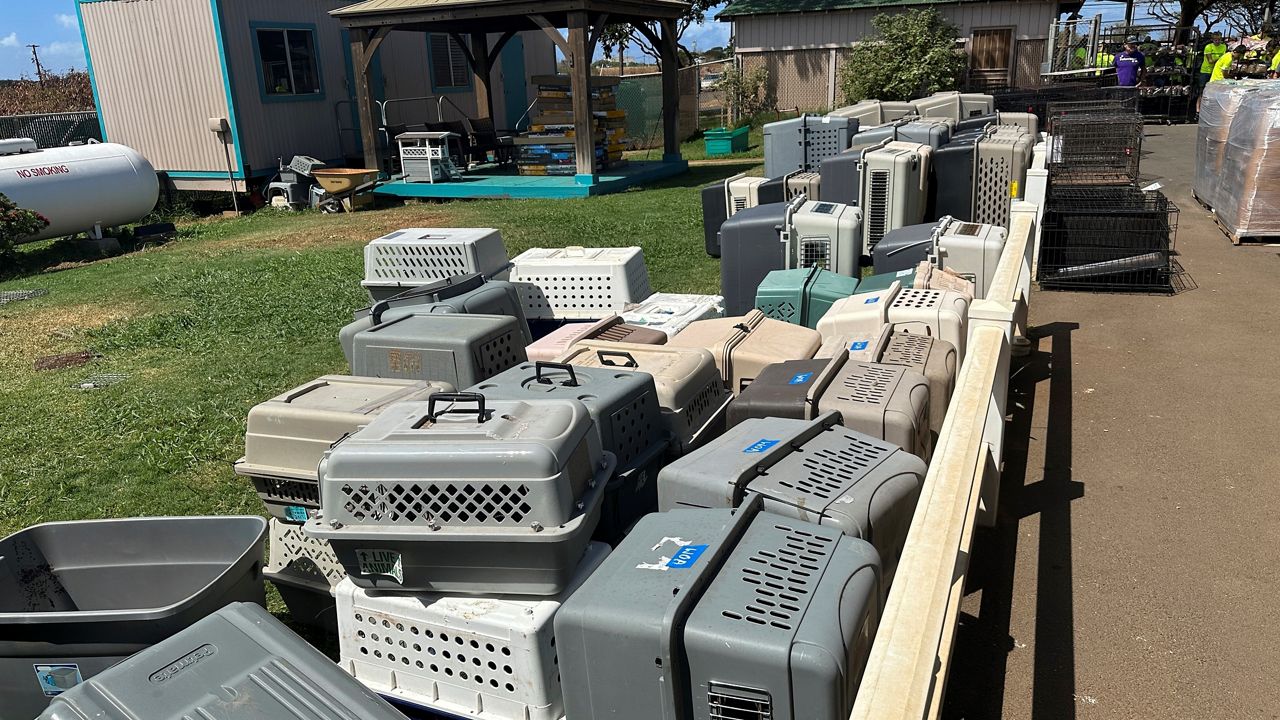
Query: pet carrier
801, 143
417, 256
743, 345
1095, 148
750, 248
463, 494
682, 615
865, 346
624, 410
889, 402
672, 313
1000, 175
972, 250
488, 655
721, 200
825, 235
954, 104
79, 597
841, 175
611, 329
461, 350
933, 358
893, 184
304, 571
286, 436
691, 393
938, 313
1107, 238
579, 283
813, 470
237, 663
803, 296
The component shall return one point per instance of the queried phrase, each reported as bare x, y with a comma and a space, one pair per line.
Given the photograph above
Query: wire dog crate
1093, 103
1095, 148
1108, 239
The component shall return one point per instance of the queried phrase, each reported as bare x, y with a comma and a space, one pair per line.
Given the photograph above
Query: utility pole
35, 58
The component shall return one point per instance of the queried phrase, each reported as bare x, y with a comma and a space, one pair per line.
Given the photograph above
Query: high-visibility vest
1212, 52
1275, 62
1220, 68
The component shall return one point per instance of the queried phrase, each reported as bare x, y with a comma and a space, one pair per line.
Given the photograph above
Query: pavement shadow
975, 686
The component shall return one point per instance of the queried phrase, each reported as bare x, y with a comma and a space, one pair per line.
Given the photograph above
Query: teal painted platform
510, 185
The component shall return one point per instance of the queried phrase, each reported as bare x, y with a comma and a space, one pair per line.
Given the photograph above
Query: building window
449, 69
991, 49
288, 61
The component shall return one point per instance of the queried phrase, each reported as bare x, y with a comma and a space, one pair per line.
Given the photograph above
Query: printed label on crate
686, 557
57, 679
871, 300
295, 513
858, 345
800, 378
760, 446
381, 562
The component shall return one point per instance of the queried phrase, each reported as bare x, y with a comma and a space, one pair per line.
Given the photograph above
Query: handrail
907, 670
440, 108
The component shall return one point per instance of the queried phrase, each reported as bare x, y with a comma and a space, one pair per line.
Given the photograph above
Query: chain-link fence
52, 129
640, 96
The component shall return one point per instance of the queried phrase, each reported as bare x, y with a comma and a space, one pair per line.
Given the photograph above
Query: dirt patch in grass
308, 231
26, 335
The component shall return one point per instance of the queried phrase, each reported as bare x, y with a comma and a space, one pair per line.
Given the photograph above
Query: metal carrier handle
630, 361
541, 365
455, 397
458, 284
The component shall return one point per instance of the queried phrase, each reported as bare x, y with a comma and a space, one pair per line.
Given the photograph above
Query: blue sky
51, 24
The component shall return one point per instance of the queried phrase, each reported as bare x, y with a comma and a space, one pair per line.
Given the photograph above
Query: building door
1030, 57
990, 57
515, 87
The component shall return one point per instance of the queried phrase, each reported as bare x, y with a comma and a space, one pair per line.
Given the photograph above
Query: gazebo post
670, 93
364, 43
580, 87
482, 66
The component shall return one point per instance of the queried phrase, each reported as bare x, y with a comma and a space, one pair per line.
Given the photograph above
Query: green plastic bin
723, 141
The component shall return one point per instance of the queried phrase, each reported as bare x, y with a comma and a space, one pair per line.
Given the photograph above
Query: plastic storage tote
579, 283
417, 256
462, 494
932, 357
468, 294
723, 141
684, 613
626, 416
743, 346
81, 596
611, 329
237, 663
672, 313
811, 470
286, 436
304, 571
461, 350
801, 297
889, 402
690, 392
492, 656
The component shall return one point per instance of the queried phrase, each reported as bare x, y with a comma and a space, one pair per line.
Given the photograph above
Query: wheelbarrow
342, 185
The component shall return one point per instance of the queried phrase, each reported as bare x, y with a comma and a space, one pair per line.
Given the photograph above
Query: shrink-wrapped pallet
1249, 195
1218, 106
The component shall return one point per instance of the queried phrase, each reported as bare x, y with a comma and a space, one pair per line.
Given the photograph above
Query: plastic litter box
238, 663
78, 597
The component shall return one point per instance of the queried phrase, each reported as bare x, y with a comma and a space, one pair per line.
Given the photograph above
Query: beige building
803, 42
278, 72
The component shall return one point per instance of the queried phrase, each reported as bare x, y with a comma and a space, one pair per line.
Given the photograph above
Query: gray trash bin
683, 620
627, 418
237, 663
461, 350
462, 494
812, 470
78, 597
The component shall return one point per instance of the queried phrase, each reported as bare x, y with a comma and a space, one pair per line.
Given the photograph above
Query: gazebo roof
498, 15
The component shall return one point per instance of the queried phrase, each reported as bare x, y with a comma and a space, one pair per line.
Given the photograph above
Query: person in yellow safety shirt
1213, 51
1104, 58
1222, 69
1275, 59
1080, 59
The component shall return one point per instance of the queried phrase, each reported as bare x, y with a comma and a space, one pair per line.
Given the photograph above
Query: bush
16, 224
746, 93
58, 93
913, 54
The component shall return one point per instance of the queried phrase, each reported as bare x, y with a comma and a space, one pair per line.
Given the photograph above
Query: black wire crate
1108, 238
1103, 101
1095, 148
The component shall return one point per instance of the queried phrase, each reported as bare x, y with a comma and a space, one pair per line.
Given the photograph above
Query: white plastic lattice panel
579, 283
672, 313
492, 657
416, 256
302, 557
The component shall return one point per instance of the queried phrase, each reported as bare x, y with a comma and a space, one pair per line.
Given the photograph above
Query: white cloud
61, 48
10, 40
66, 21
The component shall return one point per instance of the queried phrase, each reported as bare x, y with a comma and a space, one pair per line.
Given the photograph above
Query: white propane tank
80, 187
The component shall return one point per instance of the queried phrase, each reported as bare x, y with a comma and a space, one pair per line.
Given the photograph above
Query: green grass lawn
696, 149
232, 313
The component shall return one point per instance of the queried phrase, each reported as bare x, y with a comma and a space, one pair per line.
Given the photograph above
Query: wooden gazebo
370, 21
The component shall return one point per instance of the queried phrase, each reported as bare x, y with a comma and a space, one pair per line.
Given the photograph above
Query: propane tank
80, 188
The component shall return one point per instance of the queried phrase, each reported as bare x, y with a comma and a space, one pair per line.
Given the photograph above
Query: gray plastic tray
238, 663
78, 597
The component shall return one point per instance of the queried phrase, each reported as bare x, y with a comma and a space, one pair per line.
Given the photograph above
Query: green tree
16, 224
913, 54
641, 35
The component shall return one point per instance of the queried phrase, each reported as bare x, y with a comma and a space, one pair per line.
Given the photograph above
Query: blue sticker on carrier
859, 345
686, 557
57, 679
760, 446
800, 378
870, 300
295, 513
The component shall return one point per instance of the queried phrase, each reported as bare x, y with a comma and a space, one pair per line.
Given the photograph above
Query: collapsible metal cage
1108, 238
1096, 102
1095, 148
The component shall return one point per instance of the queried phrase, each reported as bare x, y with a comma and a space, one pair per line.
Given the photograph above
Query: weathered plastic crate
461, 350
579, 283
932, 357
803, 296
672, 313
417, 256
938, 313
744, 345
305, 571
471, 655
611, 329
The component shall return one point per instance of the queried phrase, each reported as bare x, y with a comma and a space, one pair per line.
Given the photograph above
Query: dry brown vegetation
58, 93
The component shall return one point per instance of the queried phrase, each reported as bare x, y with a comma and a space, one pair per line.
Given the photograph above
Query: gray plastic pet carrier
79, 597
970, 250
889, 402
691, 393
286, 436
841, 175
721, 614
812, 470
417, 256
461, 350
904, 248
932, 357
470, 294
624, 410
465, 494
237, 663
953, 169
750, 248
801, 143
1000, 175
785, 390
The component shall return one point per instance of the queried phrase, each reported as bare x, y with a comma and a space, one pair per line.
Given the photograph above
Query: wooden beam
580, 88
553, 33
466, 51
374, 43
361, 57
670, 92
502, 43
482, 65
597, 29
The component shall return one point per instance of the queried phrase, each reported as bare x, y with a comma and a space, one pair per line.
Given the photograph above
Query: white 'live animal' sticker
381, 562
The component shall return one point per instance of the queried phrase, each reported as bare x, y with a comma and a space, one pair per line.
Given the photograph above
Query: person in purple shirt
1130, 65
